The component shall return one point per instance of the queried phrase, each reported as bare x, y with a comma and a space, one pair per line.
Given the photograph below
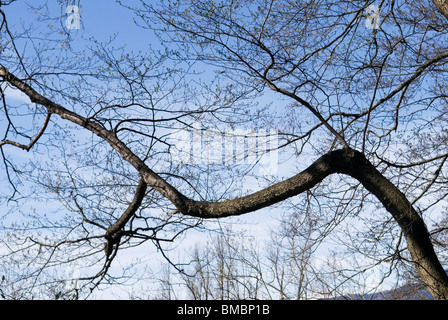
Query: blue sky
100, 19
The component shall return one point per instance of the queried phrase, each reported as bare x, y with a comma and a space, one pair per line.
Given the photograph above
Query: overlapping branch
115, 231
344, 161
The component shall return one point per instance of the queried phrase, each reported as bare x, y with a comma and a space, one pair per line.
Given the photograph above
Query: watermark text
199, 145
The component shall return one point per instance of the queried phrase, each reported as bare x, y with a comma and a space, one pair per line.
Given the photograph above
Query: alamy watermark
372, 17
232, 146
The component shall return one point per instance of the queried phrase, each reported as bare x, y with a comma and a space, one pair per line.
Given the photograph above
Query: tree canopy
330, 112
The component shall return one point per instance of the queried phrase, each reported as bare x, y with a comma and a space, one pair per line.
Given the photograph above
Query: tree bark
114, 232
442, 6
344, 161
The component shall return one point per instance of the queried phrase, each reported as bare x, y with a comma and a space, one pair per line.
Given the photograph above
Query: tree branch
273, 194
149, 176
114, 232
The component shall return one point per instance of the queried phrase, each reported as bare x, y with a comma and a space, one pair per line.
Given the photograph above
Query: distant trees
233, 266
360, 110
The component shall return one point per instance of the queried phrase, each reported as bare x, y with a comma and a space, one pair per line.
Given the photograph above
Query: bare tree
359, 97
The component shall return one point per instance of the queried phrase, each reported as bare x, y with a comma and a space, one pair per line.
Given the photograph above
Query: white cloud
16, 95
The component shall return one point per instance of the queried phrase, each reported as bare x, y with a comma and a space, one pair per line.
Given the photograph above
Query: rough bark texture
442, 6
344, 161
413, 227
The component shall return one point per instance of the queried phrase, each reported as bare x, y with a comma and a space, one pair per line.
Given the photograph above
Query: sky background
101, 19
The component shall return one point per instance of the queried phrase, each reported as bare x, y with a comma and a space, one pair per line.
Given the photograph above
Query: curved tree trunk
344, 161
